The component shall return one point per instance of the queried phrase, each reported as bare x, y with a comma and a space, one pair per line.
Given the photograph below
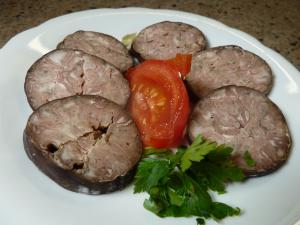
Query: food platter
29, 197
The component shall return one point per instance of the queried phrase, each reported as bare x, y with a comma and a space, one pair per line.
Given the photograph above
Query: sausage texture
101, 45
166, 39
63, 73
86, 144
246, 120
228, 65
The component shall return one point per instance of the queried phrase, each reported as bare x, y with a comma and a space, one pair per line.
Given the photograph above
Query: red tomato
182, 62
159, 103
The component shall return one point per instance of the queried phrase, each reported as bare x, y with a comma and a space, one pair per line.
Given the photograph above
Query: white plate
28, 197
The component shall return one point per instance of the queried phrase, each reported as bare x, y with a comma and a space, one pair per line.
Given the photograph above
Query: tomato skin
182, 63
159, 103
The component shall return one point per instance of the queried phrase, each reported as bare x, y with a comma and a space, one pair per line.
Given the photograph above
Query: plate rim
242, 34
270, 53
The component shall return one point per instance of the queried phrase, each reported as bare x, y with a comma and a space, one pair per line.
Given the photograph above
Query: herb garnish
248, 159
128, 39
178, 183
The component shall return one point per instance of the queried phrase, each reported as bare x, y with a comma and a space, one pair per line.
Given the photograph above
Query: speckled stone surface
275, 23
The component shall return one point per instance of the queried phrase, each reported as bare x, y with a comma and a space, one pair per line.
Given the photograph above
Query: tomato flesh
159, 103
182, 63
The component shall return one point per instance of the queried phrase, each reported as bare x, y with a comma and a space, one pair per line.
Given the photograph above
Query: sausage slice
228, 65
166, 39
102, 45
63, 73
246, 120
86, 144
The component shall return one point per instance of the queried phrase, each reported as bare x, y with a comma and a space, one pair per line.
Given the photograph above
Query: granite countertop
275, 23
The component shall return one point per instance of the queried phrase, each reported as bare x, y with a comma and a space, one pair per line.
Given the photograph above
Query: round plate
29, 197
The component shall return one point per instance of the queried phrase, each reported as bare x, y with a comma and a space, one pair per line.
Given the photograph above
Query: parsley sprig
179, 183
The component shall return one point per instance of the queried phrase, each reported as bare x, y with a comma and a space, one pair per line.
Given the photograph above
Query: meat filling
63, 73
89, 136
247, 121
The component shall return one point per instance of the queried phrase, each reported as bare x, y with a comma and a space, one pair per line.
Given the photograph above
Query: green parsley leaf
218, 169
150, 150
200, 221
150, 173
248, 159
179, 183
175, 198
196, 152
221, 210
152, 206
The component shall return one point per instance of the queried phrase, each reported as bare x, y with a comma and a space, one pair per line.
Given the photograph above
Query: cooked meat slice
102, 45
228, 65
63, 73
85, 143
246, 120
166, 39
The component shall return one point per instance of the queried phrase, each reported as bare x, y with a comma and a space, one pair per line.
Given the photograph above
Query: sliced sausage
246, 120
63, 73
228, 65
166, 39
102, 45
86, 144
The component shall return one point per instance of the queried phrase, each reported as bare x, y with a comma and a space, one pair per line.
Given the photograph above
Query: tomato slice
182, 63
159, 103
